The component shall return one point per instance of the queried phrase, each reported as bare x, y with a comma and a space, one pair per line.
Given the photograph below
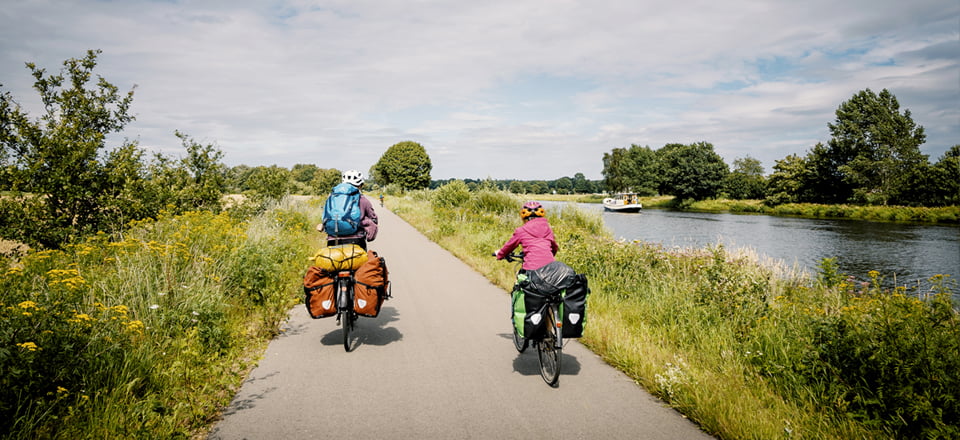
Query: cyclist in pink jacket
535, 236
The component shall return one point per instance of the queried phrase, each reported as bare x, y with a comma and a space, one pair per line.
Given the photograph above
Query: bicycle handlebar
516, 256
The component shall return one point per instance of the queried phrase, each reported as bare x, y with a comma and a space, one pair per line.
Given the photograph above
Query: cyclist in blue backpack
348, 217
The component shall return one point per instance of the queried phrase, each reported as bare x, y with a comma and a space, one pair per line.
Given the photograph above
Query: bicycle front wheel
548, 351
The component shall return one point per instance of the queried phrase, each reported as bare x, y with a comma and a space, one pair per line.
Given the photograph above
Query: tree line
578, 184
872, 158
59, 181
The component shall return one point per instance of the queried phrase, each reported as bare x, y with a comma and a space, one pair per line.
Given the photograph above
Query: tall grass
745, 348
147, 335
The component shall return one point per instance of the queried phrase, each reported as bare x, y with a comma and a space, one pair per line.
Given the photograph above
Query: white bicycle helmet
353, 177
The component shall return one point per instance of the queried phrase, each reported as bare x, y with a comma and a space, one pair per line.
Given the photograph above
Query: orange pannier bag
321, 295
370, 289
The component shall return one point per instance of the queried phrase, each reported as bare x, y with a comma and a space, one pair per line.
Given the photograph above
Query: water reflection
908, 252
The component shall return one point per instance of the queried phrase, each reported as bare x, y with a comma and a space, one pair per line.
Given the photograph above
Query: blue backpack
341, 214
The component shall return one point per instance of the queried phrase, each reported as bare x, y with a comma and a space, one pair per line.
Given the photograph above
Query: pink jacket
539, 244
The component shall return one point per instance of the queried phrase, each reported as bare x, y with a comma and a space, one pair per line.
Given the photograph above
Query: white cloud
488, 87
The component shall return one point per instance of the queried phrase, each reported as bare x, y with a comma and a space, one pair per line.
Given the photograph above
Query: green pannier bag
529, 309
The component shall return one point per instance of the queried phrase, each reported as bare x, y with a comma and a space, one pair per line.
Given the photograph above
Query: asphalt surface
438, 363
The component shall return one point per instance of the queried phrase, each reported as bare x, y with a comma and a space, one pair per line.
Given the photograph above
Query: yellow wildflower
135, 327
28, 305
30, 346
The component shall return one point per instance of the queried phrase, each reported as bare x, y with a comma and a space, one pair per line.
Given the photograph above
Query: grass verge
147, 336
745, 349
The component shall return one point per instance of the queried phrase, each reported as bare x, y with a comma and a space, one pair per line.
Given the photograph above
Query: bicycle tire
548, 352
519, 342
347, 316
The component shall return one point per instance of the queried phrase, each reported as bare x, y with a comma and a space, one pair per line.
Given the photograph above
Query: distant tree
746, 180
634, 169
208, 176
324, 180
875, 146
405, 164
937, 184
581, 185
789, 180
563, 185
518, 187
692, 172
825, 182
303, 172
268, 183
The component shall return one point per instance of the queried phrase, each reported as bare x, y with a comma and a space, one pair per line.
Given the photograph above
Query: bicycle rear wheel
548, 352
348, 319
347, 315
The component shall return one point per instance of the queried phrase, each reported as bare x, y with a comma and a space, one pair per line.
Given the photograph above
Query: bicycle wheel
548, 352
518, 341
347, 316
348, 319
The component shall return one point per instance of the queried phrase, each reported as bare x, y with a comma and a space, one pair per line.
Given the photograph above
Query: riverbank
938, 215
745, 350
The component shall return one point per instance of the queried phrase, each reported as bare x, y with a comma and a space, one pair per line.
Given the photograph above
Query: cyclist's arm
509, 246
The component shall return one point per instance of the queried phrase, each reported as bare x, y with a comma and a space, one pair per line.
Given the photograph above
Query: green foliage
635, 169
789, 181
746, 180
144, 337
451, 195
875, 146
67, 184
746, 351
885, 358
56, 159
406, 164
691, 172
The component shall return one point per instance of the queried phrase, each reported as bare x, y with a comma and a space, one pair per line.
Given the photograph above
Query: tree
581, 185
788, 182
268, 183
692, 172
634, 169
207, 176
874, 146
405, 164
68, 186
324, 180
937, 184
746, 180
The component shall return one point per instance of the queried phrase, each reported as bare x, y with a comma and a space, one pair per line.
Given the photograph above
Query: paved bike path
438, 363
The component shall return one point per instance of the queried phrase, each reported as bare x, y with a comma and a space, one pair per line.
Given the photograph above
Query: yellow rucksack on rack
342, 257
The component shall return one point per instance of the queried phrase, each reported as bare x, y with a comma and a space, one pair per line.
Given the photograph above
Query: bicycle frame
344, 285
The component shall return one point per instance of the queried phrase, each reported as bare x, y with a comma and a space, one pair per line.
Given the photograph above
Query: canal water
902, 252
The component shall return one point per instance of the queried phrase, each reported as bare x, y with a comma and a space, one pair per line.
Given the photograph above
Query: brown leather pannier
320, 293
371, 286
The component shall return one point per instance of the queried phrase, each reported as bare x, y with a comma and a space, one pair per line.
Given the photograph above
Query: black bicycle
550, 344
346, 315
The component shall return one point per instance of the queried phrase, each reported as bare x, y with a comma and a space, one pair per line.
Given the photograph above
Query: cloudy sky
528, 89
